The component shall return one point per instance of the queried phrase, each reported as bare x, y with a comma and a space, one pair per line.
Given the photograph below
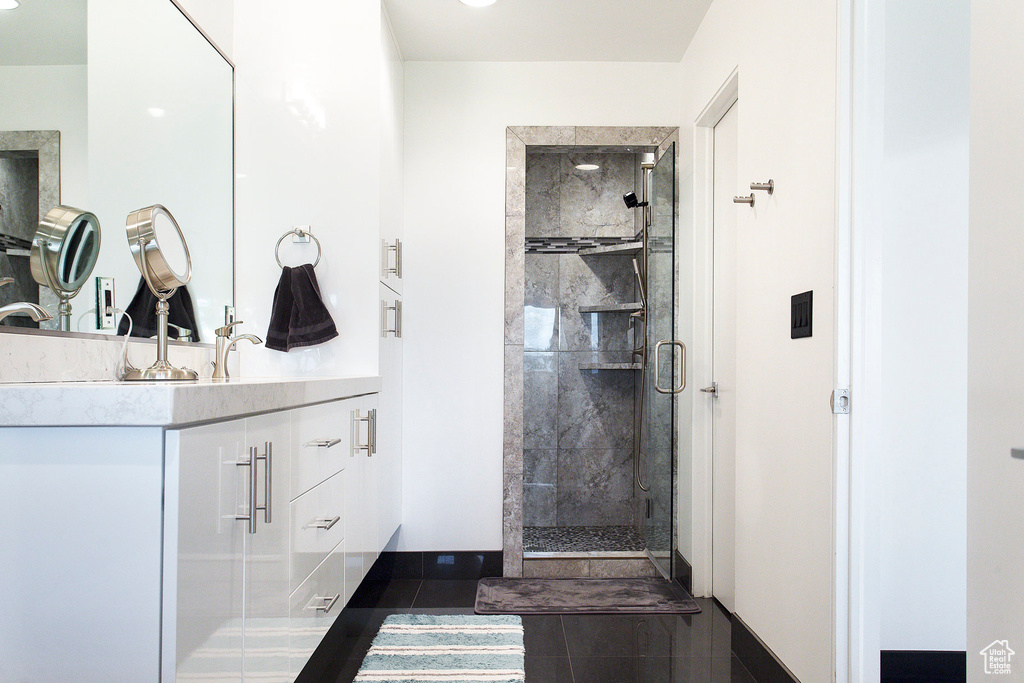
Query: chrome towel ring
304, 236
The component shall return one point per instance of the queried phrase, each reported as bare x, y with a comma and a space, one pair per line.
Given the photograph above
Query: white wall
455, 119
785, 53
308, 136
923, 354
52, 98
996, 322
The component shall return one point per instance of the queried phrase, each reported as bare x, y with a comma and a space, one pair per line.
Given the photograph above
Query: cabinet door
389, 439
362, 527
212, 492
267, 551
321, 440
314, 605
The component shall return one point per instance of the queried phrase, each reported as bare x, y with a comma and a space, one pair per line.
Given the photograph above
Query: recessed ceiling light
8, 4
478, 3
587, 167
156, 112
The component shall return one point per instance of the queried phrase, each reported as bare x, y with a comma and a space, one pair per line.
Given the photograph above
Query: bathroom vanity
185, 531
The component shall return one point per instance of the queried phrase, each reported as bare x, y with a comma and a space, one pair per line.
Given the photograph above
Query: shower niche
586, 509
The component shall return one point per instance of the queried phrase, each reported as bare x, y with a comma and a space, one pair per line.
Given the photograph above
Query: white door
723, 567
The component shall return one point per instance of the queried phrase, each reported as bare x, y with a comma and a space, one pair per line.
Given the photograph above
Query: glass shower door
664, 368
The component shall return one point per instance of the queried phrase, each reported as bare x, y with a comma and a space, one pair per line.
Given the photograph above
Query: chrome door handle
324, 523
657, 367
713, 389
251, 464
326, 603
323, 443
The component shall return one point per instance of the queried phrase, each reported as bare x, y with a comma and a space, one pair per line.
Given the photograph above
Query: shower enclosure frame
517, 139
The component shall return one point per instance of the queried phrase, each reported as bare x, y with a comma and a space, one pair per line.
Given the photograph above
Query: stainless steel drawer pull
326, 603
385, 330
323, 443
251, 464
386, 267
324, 523
371, 432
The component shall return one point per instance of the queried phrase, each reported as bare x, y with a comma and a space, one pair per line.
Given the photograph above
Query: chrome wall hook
768, 187
744, 200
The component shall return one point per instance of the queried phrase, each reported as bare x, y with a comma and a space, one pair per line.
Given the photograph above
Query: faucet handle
6, 281
226, 330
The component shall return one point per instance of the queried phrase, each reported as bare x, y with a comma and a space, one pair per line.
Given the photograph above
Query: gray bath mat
582, 596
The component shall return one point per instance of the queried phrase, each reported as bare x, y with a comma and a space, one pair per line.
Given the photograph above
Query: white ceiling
546, 30
43, 32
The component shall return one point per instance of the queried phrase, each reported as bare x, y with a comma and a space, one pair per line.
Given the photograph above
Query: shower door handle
657, 367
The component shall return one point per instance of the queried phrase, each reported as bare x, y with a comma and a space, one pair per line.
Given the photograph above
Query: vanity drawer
317, 526
313, 607
321, 443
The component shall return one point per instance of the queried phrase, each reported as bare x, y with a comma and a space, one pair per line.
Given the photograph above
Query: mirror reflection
64, 252
131, 107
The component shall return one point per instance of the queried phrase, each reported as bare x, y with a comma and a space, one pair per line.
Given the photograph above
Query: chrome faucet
35, 311
224, 344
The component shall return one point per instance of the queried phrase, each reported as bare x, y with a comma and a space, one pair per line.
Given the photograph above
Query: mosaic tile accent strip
571, 245
11, 242
582, 539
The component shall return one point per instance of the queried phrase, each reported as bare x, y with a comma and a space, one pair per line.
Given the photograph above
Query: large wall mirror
111, 106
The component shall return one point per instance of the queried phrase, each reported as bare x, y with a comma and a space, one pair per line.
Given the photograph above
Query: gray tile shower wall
591, 281
578, 424
595, 487
564, 201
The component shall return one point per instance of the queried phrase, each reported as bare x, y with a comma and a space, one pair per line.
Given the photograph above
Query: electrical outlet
106, 317
229, 315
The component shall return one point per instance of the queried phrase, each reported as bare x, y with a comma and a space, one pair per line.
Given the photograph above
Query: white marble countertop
153, 404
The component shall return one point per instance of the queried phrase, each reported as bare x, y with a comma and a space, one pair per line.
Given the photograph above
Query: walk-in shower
599, 365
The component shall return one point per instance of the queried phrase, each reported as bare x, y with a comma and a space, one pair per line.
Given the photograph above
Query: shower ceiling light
587, 167
8, 4
478, 3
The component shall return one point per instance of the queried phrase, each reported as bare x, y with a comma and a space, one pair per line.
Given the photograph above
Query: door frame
703, 324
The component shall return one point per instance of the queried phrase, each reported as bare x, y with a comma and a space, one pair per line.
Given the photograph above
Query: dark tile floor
559, 649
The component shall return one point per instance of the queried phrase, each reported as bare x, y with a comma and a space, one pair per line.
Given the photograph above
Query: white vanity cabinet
192, 544
256, 596
226, 549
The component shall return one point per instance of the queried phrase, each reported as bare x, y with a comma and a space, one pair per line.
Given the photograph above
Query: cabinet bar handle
357, 433
251, 464
324, 523
386, 249
268, 481
373, 431
326, 603
384, 329
323, 443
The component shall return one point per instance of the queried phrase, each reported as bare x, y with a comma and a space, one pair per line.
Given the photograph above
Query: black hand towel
299, 317
142, 309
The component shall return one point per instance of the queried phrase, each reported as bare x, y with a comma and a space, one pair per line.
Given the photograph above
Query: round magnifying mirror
160, 252
159, 249
64, 252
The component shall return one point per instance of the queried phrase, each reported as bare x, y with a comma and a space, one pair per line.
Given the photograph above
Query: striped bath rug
419, 647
